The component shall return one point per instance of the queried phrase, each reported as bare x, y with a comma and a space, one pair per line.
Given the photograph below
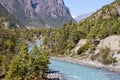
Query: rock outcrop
113, 43
9, 20
110, 44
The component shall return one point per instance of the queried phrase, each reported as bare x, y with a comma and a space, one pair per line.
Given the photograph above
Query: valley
32, 33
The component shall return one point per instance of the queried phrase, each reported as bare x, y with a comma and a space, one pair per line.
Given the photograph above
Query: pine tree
18, 68
29, 66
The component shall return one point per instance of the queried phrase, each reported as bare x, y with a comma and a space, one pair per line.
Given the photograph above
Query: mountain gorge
93, 41
39, 13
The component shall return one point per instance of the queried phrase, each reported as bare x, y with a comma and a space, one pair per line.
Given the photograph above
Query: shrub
83, 48
106, 58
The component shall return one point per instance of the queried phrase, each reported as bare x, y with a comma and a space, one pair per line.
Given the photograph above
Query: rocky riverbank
89, 63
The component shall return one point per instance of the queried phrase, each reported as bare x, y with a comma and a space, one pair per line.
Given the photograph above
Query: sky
78, 7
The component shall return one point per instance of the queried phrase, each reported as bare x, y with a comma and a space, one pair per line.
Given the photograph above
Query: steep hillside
39, 13
11, 21
104, 22
107, 12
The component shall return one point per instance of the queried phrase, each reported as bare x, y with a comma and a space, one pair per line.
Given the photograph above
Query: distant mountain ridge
39, 13
83, 16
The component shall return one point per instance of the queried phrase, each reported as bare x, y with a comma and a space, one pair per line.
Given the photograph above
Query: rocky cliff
9, 20
39, 13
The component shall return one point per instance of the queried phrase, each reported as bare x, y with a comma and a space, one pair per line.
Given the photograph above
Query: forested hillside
104, 22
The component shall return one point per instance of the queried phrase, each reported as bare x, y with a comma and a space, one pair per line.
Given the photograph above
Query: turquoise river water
77, 72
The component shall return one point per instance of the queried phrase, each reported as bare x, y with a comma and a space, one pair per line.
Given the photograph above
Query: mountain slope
10, 19
103, 23
107, 11
39, 13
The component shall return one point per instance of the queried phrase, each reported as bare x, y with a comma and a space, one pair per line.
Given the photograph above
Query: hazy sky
78, 7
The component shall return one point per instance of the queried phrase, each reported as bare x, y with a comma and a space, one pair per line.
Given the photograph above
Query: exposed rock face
9, 20
38, 13
112, 42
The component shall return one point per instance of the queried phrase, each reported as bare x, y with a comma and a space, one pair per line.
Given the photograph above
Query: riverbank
89, 63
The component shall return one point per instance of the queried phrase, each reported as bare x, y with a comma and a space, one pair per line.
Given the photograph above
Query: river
78, 72
38, 43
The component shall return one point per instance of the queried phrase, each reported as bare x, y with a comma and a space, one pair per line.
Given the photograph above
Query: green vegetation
16, 62
28, 66
84, 48
106, 58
